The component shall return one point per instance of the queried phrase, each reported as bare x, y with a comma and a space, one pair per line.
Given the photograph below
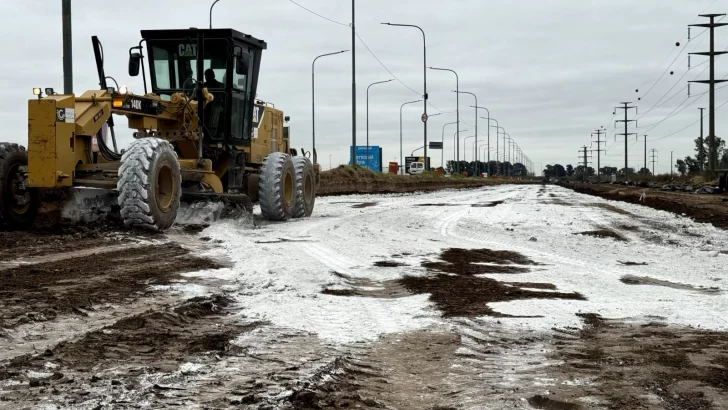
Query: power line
319, 15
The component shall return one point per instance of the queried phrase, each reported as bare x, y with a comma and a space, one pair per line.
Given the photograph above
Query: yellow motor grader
200, 134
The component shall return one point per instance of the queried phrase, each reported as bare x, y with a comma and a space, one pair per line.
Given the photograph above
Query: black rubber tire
143, 202
277, 187
13, 156
305, 187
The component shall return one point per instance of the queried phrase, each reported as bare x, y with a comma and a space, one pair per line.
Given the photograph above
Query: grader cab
199, 135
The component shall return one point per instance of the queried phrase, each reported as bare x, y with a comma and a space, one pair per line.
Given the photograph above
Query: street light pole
370, 86
424, 69
476, 118
488, 126
313, 100
457, 105
442, 154
213, 5
401, 163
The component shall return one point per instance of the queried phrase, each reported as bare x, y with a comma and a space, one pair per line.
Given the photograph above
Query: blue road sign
375, 159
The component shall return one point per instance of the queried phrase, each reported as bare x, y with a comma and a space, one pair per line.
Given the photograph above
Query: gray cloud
550, 71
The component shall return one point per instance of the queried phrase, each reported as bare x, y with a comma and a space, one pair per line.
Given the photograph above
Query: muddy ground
87, 321
706, 208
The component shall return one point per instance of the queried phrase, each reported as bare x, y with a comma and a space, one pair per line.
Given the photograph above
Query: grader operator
194, 139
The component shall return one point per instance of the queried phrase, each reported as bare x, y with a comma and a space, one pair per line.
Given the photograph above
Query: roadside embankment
712, 209
346, 180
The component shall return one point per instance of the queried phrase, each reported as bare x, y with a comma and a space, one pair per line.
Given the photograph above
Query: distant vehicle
417, 168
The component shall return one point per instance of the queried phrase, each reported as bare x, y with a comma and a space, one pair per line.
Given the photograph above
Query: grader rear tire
305, 187
277, 187
149, 184
13, 213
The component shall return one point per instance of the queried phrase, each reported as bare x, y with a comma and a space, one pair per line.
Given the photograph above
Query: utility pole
713, 154
646, 152
701, 157
671, 164
67, 48
626, 134
586, 163
653, 153
353, 83
599, 149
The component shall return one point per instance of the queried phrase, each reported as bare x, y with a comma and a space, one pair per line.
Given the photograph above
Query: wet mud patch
478, 261
440, 205
466, 295
542, 402
27, 244
119, 354
359, 205
610, 207
42, 291
389, 264
645, 280
401, 371
487, 204
604, 233
642, 365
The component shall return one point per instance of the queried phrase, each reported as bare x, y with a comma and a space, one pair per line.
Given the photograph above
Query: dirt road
519, 297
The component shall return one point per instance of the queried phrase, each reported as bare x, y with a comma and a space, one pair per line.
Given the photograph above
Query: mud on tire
149, 184
305, 187
15, 216
277, 187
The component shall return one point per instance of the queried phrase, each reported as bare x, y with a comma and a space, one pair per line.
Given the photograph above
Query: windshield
174, 64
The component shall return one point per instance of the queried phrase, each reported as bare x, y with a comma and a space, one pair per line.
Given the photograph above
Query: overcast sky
550, 71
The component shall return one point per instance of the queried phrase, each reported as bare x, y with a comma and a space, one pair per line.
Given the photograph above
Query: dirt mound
471, 262
710, 209
457, 295
41, 291
646, 280
603, 233
686, 368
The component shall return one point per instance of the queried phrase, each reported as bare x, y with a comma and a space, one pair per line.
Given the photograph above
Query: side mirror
135, 60
240, 67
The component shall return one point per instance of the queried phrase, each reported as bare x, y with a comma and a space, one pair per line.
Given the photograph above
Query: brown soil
41, 291
603, 233
152, 341
346, 180
468, 262
457, 295
710, 209
403, 371
645, 280
684, 368
388, 264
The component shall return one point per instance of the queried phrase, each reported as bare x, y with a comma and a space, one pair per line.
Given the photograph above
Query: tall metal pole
671, 163
313, 100
213, 5
626, 108
442, 154
476, 117
488, 126
646, 152
701, 158
353, 82
713, 154
67, 48
457, 109
401, 159
370, 86
424, 69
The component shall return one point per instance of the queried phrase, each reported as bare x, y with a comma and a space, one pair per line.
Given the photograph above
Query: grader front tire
18, 204
305, 187
277, 187
149, 184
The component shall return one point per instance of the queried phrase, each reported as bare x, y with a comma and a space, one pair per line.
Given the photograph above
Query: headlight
37, 91
123, 89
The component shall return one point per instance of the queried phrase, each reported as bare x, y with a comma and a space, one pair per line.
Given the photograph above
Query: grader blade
204, 208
